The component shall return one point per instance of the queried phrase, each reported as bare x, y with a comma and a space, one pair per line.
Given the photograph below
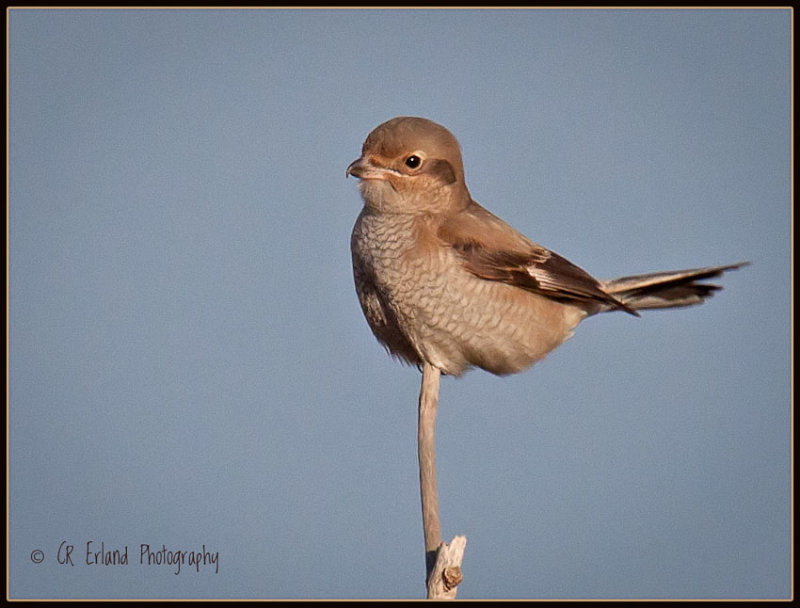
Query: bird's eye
413, 161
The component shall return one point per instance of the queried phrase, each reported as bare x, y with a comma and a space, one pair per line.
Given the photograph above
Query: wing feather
492, 250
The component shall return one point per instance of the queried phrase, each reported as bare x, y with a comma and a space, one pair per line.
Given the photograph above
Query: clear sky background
189, 365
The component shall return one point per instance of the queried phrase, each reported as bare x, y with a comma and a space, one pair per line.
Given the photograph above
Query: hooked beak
363, 168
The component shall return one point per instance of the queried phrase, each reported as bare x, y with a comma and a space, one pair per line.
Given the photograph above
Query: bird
447, 286
444, 282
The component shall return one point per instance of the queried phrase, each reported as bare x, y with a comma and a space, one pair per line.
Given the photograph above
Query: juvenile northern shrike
443, 281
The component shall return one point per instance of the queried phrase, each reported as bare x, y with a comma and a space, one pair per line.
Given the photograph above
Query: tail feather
666, 289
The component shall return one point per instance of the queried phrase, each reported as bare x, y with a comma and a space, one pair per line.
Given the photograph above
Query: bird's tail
666, 289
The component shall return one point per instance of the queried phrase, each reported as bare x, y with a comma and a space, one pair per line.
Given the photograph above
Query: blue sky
189, 366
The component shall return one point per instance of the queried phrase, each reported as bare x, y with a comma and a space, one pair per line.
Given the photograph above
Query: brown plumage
444, 281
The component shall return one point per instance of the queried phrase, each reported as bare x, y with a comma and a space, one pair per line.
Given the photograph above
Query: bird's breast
423, 305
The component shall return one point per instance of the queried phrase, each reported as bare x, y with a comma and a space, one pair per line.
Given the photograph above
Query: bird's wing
492, 250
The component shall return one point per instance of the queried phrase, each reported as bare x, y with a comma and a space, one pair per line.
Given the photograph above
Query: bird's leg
428, 402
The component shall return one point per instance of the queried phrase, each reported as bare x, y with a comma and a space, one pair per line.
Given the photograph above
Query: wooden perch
442, 561
446, 574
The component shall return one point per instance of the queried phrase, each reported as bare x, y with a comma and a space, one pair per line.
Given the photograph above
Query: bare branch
446, 574
426, 444
442, 560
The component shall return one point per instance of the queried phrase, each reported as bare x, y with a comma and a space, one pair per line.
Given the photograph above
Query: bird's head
409, 165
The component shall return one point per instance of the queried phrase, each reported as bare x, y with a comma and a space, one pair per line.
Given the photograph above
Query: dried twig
442, 561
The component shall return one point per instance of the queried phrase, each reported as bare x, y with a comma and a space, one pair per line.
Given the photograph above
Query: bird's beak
363, 168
